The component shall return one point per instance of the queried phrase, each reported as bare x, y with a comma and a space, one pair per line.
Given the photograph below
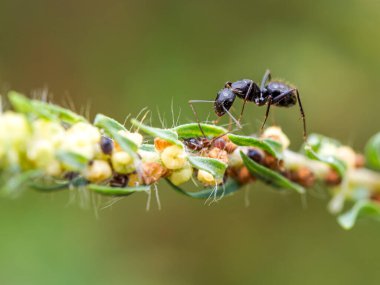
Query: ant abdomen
276, 88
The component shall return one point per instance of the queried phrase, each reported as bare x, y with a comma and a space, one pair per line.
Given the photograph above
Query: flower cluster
49, 147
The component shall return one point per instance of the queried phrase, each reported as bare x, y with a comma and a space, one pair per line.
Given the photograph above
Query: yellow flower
181, 176
173, 157
122, 162
97, 171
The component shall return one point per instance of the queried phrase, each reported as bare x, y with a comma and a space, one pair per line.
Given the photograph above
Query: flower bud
149, 156
97, 171
41, 152
206, 178
122, 162
346, 154
14, 128
48, 130
173, 157
54, 168
82, 138
234, 159
276, 134
181, 176
135, 137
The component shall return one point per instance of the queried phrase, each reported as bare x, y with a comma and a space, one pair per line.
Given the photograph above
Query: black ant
201, 143
269, 93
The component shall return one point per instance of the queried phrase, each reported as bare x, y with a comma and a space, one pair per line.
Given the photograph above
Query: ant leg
266, 113
282, 96
302, 115
195, 113
233, 118
245, 100
267, 77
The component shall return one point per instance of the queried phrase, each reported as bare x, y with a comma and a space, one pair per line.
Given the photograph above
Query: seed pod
106, 145
255, 155
276, 134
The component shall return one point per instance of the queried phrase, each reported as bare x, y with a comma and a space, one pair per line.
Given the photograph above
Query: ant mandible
276, 93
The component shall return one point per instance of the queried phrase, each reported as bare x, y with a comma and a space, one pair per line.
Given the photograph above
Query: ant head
224, 100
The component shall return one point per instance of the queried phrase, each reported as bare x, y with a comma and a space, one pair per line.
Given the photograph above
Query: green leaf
42, 109
20, 103
117, 191
148, 147
192, 130
317, 141
270, 146
15, 182
50, 186
363, 208
339, 166
372, 152
270, 176
230, 187
211, 165
165, 134
108, 124
112, 127
73, 160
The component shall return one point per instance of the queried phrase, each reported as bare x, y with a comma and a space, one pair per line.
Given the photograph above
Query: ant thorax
241, 88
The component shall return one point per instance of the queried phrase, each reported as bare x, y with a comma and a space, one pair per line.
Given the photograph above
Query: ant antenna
195, 112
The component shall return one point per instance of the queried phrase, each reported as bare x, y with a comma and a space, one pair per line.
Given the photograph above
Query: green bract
42, 109
165, 134
117, 191
270, 146
372, 152
211, 165
336, 164
364, 208
113, 128
193, 131
269, 176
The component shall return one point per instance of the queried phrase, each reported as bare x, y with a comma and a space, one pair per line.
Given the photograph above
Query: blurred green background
120, 56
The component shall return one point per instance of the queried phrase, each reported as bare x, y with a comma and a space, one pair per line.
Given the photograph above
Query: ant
276, 93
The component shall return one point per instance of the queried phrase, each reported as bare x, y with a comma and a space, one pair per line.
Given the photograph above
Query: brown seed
333, 178
359, 160
305, 177
376, 197
161, 144
244, 176
152, 172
